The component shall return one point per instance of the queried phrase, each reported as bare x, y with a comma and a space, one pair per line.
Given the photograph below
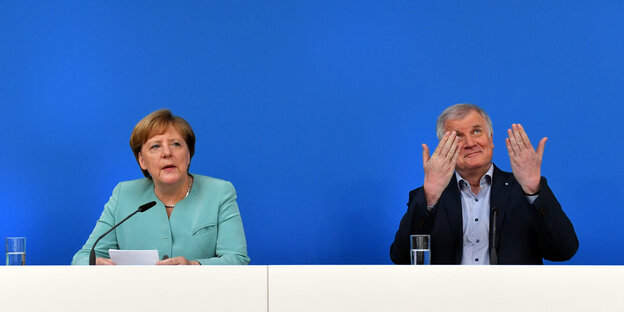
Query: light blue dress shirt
476, 219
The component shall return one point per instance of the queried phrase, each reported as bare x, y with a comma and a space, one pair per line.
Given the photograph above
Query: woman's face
166, 157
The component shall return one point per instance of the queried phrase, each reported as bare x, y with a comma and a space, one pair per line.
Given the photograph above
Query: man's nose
468, 141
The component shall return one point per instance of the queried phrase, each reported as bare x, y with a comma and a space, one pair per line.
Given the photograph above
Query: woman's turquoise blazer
205, 226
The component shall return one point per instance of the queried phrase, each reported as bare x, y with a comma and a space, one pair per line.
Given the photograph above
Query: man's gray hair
459, 111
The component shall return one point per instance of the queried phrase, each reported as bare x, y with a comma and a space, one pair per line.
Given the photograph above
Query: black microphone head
149, 205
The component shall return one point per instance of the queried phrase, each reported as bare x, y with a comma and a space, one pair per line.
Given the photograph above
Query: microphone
493, 255
142, 208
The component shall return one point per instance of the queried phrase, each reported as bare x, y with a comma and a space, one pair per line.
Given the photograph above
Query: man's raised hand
439, 167
526, 162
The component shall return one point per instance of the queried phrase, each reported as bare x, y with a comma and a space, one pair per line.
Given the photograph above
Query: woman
196, 219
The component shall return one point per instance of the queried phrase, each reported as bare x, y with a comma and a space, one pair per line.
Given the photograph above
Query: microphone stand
142, 208
493, 254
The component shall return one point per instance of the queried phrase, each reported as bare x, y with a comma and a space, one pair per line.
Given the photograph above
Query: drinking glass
420, 249
15, 250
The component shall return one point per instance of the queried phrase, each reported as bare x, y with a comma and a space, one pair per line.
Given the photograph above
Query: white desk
446, 288
312, 288
133, 288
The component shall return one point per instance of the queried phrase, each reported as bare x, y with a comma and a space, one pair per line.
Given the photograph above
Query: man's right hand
440, 166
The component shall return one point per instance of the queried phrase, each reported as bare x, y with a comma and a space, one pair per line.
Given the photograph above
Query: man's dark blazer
526, 233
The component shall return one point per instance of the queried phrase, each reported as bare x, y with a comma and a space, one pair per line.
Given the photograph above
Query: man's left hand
525, 161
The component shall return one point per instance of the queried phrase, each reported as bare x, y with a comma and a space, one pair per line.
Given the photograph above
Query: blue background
314, 110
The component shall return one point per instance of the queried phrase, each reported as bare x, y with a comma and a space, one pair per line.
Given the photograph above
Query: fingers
511, 143
524, 136
173, 261
440, 146
425, 153
448, 147
449, 144
454, 148
540, 147
510, 151
460, 145
517, 141
518, 136
169, 261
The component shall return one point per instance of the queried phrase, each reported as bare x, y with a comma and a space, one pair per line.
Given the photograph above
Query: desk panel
446, 288
133, 288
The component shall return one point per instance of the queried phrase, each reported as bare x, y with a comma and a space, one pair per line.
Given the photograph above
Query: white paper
133, 257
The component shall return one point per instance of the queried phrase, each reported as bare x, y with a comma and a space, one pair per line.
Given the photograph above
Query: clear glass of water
15, 250
420, 249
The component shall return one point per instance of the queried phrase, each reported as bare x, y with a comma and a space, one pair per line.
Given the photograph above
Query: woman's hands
177, 261
168, 261
104, 261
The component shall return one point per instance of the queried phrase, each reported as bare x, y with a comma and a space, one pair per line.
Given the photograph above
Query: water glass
15, 250
420, 249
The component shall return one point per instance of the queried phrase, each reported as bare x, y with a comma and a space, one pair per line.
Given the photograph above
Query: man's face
476, 155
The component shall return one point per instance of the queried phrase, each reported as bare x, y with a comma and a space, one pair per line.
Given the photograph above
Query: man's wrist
430, 208
531, 191
431, 199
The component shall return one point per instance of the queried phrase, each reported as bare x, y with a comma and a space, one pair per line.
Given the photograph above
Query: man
463, 189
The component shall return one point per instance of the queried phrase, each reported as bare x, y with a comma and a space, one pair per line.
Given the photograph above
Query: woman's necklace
188, 191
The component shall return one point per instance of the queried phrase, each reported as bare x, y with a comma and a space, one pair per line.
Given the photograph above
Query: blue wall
315, 110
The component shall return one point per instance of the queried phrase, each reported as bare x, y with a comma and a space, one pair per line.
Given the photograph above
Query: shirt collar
486, 178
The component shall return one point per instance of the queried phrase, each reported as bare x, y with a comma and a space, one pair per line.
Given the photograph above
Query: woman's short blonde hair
156, 123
